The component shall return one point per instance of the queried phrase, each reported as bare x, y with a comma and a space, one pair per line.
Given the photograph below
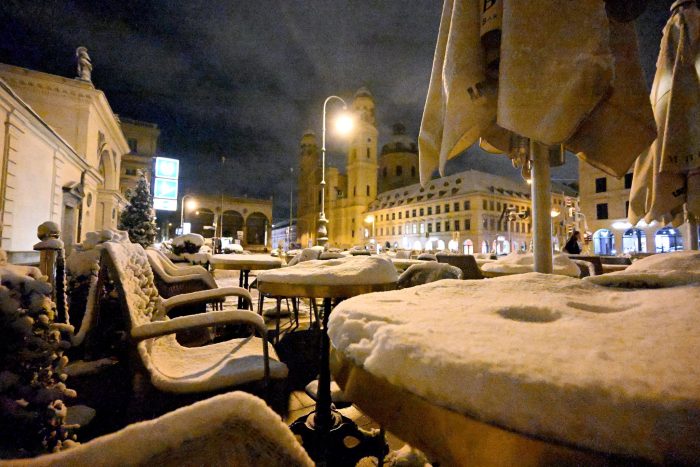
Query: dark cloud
244, 79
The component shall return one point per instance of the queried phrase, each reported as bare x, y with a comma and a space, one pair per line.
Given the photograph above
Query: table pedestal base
344, 444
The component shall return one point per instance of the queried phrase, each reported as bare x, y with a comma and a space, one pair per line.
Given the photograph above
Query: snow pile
351, 270
519, 263
551, 356
660, 270
234, 428
84, 260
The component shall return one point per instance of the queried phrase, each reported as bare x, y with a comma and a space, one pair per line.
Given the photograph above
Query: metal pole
291, 204
541, 208
322, 234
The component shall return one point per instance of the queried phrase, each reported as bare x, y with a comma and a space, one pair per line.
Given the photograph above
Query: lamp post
343, 125
370, 220
182, 211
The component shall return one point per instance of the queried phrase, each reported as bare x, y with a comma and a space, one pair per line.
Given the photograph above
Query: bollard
52, 265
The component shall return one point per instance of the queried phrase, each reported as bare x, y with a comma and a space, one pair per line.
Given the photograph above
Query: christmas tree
138, 217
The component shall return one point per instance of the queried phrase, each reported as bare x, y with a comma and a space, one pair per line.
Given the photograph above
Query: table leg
243, 283
323, 405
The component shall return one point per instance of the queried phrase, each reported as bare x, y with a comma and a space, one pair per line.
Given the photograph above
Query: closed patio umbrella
666, 183
568, 76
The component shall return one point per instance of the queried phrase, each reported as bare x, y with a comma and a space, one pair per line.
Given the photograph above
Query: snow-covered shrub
32, 378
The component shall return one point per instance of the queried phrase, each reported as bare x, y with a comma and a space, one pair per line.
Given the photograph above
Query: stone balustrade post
52, 265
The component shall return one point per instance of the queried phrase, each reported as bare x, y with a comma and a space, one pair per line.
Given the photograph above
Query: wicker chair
186, 374
171, 280
466, 263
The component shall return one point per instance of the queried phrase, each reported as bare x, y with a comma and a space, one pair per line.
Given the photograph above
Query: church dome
363, 92
400, 141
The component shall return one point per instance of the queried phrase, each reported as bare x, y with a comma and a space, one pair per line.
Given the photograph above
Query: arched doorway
484, 247
468, 247
634, 241
453, 245
429, 245
440, 245
202, 222
256, 229
603, 242
668, 239
417, 246
231, 224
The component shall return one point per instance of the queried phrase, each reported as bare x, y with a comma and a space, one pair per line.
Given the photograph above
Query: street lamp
343, 125
190, 205
370, 220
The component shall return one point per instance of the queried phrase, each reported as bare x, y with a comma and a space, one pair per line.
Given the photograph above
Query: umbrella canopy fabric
568, 75
667, 174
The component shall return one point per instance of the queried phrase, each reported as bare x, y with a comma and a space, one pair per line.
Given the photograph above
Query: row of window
399, 171
457, 225
601, 183
421, 211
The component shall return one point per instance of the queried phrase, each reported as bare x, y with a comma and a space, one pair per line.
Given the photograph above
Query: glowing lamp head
554, 213
369, 219
344, 123
191, 204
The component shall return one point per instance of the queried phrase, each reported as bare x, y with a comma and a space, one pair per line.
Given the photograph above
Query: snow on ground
661, 270
351, 270
518, 263
556, 357
236, 428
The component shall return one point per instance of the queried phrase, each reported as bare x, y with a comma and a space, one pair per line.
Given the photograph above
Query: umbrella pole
541, 207
692, 232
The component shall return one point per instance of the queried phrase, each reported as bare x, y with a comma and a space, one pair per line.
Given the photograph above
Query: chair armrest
184, 271
202, 296
201, 320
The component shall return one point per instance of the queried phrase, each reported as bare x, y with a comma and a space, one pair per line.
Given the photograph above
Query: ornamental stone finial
84, 64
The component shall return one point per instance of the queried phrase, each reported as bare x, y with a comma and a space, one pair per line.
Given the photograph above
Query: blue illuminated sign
164, 188
167, 168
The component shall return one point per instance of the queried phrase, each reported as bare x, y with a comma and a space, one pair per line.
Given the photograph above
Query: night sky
244, 79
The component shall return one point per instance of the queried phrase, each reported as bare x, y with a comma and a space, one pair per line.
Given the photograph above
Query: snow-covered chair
430, 271
186, 373
171, 280
230, 429
466, 263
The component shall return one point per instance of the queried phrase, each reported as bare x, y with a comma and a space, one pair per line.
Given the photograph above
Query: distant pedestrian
573, 245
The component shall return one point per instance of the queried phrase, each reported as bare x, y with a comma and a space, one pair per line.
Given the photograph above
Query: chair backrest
430, 271
595, 260
586, 267
466, 263
235, 428
157, 263
132, 273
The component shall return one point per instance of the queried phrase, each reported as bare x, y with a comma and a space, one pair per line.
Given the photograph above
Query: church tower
362, 154
361, 162
308, 189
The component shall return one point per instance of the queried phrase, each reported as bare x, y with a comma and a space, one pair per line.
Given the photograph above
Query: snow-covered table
244, 264
332, 280
531, 368
520, 263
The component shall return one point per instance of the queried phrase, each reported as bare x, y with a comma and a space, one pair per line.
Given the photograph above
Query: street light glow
369, 219
191, 204
344, 123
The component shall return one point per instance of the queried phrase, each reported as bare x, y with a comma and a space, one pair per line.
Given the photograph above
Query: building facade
468, 212
604, 204
142, 138
247, 220
380, 200
62, 148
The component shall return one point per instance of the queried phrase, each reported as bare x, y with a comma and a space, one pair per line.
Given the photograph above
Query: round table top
306, 290
245, 262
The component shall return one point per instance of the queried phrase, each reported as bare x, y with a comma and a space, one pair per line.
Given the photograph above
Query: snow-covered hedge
32, 378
